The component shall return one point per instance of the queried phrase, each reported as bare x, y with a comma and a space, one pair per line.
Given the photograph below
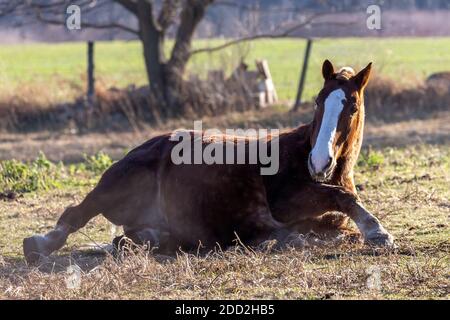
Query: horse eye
353, 108
316, 105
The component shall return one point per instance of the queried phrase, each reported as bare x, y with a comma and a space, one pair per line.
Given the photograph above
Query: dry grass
136, 108
406, 188
121, 109
389, 101
235, 274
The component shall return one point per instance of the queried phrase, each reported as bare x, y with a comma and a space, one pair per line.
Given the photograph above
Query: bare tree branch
9, 7
114, 25
283, 34
192, 13
56, 8
50, 5
130, 5
250, 7
145, 15
168, 13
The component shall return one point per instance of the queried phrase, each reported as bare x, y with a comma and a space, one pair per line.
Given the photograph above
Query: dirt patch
71, 147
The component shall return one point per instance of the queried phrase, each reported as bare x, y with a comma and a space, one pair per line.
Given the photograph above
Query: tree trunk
166, 77
153, 46
192, 13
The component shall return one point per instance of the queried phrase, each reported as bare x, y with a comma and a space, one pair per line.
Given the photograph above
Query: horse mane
345, 73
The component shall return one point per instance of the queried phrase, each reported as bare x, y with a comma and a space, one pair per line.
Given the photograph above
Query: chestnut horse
155, 199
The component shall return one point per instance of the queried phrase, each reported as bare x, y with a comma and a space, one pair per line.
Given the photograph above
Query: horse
157, 201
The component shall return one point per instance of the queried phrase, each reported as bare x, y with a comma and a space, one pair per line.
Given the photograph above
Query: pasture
403, 177
405, 186
50, 73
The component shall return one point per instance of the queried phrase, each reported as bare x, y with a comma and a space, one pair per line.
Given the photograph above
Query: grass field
406, 187
57, 71
403, 176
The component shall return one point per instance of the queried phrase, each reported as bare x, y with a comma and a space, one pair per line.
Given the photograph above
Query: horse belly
209, 203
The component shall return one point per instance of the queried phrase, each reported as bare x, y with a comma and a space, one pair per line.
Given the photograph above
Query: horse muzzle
324, 174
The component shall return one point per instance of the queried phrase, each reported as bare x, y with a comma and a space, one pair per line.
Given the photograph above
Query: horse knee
75, 218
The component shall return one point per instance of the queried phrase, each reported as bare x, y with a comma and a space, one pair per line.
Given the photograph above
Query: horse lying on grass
155, 199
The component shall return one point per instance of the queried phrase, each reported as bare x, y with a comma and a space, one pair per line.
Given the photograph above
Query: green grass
43, 175
60, 68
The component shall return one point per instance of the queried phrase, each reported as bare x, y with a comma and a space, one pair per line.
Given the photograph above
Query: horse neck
343, 175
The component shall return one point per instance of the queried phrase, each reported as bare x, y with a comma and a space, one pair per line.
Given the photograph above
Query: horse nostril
330, 160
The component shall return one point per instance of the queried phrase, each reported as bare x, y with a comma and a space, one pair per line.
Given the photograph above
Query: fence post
298, 99
90, 71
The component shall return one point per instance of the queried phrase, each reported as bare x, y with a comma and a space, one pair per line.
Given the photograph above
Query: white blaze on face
323, 149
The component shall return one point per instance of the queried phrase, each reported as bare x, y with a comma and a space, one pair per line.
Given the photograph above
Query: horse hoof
381, 239
33, 249
296, 240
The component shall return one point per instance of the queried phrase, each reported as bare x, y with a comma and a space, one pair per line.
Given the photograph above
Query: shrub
98, 163
40, 174
370, 159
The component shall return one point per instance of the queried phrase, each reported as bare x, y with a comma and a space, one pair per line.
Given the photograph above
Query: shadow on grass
87, 260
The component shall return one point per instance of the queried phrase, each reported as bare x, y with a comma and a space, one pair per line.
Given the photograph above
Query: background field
403, 177
57, 72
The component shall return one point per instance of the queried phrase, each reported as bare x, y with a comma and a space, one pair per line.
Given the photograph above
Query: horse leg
346, 202
264, 229
144, 236
317, 199
70, 221
158, 239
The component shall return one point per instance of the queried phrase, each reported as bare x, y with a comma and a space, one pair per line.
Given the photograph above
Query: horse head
338, 118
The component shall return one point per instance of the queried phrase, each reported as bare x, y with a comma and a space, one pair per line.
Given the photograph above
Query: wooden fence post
298, 99
90, 71
267, 92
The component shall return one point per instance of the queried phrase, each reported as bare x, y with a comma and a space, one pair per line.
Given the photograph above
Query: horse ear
327, 70
362, 78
